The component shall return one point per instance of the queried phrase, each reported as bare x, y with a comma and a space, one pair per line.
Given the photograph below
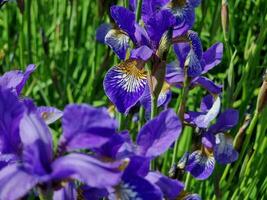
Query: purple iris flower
217, 145
197, 64
36, 163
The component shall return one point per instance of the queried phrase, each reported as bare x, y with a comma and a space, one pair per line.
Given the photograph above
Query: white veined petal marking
129, 77
126, 192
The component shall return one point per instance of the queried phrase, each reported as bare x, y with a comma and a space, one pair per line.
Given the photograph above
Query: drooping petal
118, 41
142, 53
158, 135
11, 110
66, 193
37, 141
174, 73
200, 165
212, 57
125, 19
102, 31
208, 85
124, 84
49, 114
169, 187
204, 120
158, 25
15, 182
86, 169
135, 187
16, 79
224, 151
227, 120
86, 127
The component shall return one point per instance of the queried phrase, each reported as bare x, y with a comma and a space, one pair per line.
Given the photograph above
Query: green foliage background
59, 37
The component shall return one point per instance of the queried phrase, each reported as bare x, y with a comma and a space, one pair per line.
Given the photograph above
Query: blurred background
59, 37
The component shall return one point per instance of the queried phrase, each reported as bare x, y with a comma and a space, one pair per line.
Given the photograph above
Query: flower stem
138, 11
46, 194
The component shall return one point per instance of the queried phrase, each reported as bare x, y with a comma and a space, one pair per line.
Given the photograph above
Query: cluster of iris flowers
93, 159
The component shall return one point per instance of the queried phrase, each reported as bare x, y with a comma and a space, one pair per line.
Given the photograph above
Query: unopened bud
225, 17
262, 97
165, 44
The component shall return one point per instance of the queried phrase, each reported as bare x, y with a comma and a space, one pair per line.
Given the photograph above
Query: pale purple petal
49, 114
143, 53
174, 73
192, 197
208, 140
159, 134
86, 169
212, 57
66, 193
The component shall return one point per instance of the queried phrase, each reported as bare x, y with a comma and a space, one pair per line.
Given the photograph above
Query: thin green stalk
139, 10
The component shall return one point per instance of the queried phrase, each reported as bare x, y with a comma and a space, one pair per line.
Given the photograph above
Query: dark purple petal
194, 3
174, 73
118, 42
159, 134
206, 103
193, 63
124, 84
125, 19
11, 110
135, 187
141, 36
151, 7
227, 120
132, 5
204, 120
90, 193
37, 142
181, 50
196, 44
208, 85
142, 53
212, 57
49, 114
16, 79
102, 31
7, 159
15, 183
224, 151
169, 187
66, 193
86, 169
138, 165
86, 127
200, 165
190, 116
158, 25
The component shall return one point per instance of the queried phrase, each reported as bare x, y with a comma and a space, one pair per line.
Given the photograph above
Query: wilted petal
86, 169
125, 19
158, 25
204, 120
159, 134
66, 193
15, 183
118, 41
200, 165
49, 114
142, 53
135, 187
11, 110
227, 120
224, 151
169, 187
124, 84
37, 142
102, 31
208, 85
86, 127
212, 57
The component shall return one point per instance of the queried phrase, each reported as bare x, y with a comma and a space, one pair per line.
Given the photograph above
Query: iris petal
49, 114
200, 165
102, 31
124, 84
208, 85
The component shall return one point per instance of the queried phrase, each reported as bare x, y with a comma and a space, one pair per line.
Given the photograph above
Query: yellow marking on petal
177, 3
45, 115
131, 67
165, 87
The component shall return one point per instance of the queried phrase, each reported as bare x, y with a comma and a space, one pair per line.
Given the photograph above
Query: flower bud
225, 17
262, 97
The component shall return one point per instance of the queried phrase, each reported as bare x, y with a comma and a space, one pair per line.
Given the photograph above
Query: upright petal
200, 165
169, 187
125, 19
49, 114
118, 41
15, 183
37, 142
124, 84
102, 31
29, 70
224, 151
142, 53
159, 134
227, 120
85, 168
66, 193
11, 110
212, 57
86, 127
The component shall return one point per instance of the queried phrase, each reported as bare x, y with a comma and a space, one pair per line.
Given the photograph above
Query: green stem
46, 194
139, 9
